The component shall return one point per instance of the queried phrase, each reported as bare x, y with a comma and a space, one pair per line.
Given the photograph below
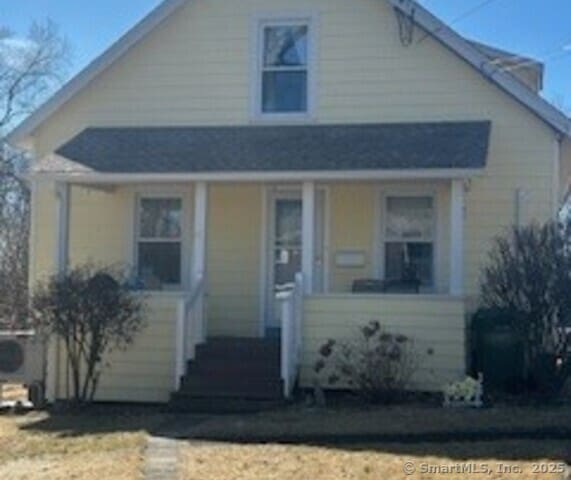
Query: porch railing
190, 327
291, 335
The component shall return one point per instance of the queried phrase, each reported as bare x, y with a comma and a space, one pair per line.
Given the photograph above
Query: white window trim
269, 194
260, 21
167, 193
381, 239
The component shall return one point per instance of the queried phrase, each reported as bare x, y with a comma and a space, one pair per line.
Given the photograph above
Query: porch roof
397, 146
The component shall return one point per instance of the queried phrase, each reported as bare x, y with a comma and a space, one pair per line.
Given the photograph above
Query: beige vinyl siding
100, 223
43, 221
233, 260
356, 216
195, 70
145, 371
565, 170
436, 325
352, 224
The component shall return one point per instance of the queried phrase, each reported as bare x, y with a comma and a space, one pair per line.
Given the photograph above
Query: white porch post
199, 248
61, 261
308, 235
62, 192
457, 237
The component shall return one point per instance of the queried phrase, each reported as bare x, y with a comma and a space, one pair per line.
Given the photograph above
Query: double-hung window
409, 232
284, 70
159, 242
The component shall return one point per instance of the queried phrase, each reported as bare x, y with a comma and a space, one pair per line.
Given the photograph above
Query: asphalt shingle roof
442, 145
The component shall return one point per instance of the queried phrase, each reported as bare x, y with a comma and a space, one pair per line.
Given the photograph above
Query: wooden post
308, 235
457, 237
199, 251
61, 261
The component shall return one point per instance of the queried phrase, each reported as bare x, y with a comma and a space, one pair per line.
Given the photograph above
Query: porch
292, 234
239, 257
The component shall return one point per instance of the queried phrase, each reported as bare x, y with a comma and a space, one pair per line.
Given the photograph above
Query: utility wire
553, 56
566, 46
462, 16
563, 50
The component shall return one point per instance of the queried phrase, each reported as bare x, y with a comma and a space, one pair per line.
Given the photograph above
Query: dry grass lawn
395, 420
511, 460
225, 450
36, 447
108, 444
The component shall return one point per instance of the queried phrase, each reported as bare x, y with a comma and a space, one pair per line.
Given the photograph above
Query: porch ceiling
328, 148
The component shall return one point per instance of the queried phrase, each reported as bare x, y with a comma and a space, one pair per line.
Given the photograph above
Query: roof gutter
288, 176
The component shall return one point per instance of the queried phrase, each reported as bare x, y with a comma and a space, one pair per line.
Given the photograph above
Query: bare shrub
378, 364
93, 311
528, 275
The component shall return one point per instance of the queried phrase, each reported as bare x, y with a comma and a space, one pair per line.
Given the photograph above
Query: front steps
231, 375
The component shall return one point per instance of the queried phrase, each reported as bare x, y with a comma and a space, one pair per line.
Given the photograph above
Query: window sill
282, 118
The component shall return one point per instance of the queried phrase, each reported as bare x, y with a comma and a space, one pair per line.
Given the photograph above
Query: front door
285, 249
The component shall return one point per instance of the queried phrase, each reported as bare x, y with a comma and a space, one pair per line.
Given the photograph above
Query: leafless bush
93, 311
378, 364
529, 274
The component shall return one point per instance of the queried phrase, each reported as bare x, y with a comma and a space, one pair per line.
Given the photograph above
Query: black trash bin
496, 350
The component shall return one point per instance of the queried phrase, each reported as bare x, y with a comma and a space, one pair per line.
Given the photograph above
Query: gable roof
435, 27
478, 59
367, 147
95, 68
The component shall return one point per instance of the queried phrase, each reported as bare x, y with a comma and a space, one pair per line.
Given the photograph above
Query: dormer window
284, 70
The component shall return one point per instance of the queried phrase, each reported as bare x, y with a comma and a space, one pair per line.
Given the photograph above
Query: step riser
239, 347
195, 388
214, 369
231, 370
199, 383
230, 395
238, 354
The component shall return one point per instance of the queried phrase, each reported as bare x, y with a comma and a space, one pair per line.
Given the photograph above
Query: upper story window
284, 69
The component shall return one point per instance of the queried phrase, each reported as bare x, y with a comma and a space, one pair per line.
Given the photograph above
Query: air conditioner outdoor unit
21, 357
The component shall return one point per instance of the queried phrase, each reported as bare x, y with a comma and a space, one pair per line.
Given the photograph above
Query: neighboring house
221, 147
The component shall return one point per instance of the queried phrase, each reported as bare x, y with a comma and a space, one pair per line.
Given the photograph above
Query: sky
537, 28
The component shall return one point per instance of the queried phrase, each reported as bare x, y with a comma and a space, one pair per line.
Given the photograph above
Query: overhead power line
561, 51
459, 18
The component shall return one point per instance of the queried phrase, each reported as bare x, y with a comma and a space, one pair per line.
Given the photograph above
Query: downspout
556, 193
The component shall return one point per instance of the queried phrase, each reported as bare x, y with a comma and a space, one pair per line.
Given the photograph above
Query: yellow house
280, 172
